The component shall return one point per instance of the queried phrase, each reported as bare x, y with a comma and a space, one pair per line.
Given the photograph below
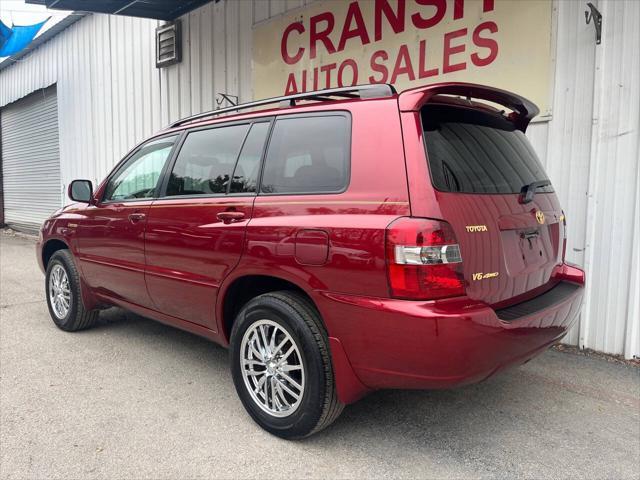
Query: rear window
472, 151
308, 155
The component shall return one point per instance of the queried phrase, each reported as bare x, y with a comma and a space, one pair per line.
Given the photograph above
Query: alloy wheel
272, 368
59, 292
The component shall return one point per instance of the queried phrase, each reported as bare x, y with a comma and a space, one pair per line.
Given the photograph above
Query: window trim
270, 125
162, 192
124, 163
325, 113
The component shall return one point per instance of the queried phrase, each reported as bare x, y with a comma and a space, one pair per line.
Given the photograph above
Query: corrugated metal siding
267, 9
111, 97
108, 89
612, 212
591, 151
565, 142
31, 160
216, 34
110, 94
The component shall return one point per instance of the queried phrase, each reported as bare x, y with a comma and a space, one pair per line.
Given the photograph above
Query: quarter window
308, 155
206, 161
140, 175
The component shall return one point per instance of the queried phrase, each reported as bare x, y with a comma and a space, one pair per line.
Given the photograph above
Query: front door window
138, 178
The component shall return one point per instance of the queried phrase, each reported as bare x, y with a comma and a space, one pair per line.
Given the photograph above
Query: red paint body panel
350, 388
407, 344
311, 247
189, 250
111, 250
177, 264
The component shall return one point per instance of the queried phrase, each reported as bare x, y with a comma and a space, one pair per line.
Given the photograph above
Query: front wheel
64, 299
281, 365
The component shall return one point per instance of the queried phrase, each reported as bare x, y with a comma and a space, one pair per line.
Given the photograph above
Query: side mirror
81, 191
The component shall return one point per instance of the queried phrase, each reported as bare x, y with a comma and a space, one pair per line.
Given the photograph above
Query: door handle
230, 216
136, 217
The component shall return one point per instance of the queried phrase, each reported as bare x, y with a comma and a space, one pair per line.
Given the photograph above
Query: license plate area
525, 250
532, 248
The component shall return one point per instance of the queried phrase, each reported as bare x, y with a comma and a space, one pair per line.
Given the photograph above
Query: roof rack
381, 90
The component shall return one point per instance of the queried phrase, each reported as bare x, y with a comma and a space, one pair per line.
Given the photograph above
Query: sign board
331, 43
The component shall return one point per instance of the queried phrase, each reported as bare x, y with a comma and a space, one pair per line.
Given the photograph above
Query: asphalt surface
132, 398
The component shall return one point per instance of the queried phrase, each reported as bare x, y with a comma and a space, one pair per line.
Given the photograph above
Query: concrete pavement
132, 398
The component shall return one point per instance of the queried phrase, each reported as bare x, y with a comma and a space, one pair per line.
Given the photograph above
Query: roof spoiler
525, 110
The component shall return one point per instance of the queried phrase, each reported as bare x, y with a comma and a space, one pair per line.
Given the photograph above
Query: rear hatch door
481, 165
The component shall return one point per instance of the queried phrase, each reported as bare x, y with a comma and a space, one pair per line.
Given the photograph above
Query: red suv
348, 240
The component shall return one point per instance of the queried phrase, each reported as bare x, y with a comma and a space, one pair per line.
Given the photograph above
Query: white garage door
30, 160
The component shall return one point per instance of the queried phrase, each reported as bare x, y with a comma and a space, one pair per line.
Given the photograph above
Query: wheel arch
50, 247
53, 245
241, 289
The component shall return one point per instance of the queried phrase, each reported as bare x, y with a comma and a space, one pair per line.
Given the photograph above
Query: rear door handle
230, 216
136, 217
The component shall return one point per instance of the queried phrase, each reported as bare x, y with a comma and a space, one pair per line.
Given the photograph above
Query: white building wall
609, 323
218, 34
108, 89
111, 96
564, 143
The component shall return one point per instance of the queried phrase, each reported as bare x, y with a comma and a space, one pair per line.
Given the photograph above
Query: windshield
472, 151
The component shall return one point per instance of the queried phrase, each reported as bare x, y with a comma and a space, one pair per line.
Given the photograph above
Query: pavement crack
7, 305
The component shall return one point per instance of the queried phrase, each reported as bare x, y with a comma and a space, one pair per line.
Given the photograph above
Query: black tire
319, 405
77, 317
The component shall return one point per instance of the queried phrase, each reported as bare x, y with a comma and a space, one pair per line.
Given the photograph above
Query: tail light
423, 260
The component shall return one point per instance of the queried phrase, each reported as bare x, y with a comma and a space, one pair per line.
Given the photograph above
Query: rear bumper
405, 344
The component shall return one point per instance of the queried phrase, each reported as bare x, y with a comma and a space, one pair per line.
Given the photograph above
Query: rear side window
308, 155
472, 151
245, 175
206, 161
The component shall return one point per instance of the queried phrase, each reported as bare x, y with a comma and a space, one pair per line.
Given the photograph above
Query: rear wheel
281, 365
62, 284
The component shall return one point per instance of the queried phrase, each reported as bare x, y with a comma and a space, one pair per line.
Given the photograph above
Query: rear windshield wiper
528, 191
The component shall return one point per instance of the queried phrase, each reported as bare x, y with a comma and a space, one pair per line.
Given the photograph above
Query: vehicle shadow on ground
384, 414
520, 423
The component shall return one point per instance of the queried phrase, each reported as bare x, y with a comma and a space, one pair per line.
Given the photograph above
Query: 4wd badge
484, 276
